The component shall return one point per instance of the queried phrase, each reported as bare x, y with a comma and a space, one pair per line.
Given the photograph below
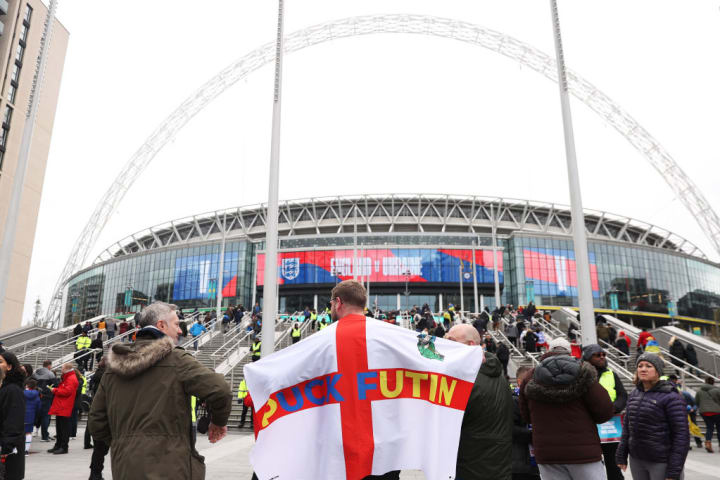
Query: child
32, 410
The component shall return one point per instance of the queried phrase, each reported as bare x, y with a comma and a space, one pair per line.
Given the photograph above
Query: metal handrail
501, 332
51, 333
666, 353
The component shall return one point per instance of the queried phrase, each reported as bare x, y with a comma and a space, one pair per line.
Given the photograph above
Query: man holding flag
372, 398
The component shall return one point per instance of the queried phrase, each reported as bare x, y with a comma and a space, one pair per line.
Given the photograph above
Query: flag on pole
361, 397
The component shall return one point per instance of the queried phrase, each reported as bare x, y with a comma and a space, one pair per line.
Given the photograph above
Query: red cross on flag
361, 397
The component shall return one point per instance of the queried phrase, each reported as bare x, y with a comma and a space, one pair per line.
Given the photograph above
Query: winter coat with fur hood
564, 403
656, 428
142, 408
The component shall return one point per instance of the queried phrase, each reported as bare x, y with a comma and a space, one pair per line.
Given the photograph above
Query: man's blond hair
350, 292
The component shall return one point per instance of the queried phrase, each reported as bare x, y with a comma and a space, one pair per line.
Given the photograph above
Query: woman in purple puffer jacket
655, 433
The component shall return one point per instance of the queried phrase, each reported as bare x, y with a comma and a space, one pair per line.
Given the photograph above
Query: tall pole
354, 262
475, 288
8, 238
221, 270
270, 288
462, 298
496, 276
582, 262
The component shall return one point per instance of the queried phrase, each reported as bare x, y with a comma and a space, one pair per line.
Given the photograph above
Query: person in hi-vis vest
255, 349
611, 382
295, 333
242, 393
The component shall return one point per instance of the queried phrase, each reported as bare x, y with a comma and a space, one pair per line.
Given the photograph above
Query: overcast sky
374, 114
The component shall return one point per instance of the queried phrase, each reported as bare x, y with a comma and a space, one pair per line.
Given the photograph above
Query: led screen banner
416, 265
196, 276
553, 272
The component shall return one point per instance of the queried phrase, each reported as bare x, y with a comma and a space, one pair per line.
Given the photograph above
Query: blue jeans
712, 422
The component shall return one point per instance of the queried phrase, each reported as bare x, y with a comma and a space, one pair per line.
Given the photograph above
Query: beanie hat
558, 344
655, 360
590, 350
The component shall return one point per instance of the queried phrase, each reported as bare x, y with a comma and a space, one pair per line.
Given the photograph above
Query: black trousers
295, 340
613, 471
15, 464
62, 434
97, 462
243, 414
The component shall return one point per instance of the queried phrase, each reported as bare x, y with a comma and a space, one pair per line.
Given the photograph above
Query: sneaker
44, 439
60, 451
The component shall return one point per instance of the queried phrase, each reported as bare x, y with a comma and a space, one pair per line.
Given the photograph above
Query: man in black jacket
595, 354
485, 450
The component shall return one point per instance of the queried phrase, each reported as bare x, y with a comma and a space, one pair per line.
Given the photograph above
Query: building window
12, 92
24, 33
28, 14
8, 116
15, 74
20, 53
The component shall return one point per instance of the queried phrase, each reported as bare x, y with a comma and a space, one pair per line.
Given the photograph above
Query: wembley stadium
409, 250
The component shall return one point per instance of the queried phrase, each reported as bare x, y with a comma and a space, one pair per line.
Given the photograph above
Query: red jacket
643, 338
64, 395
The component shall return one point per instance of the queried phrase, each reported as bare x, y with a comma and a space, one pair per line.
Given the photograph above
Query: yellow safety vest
295, 332
193, 408
84, 387
82, 342
242, 390
256, 349
322, 325
313, 316
607, 380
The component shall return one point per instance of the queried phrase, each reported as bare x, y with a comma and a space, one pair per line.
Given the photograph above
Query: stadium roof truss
523, 53
398, 213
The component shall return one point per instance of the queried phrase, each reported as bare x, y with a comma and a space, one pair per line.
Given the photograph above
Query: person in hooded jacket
33, 405
655, 434
595, 355
62, 407
12, 416
707, 399
485, 450
676, 349
523, 466
45, 379
623, 343
691, 357
142, 407
564, 402
503, 354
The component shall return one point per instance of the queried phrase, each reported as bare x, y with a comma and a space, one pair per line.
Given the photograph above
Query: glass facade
187, 277
641, 279
530, 267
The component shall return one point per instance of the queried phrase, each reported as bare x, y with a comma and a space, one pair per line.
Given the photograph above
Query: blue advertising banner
610, 431
196, 276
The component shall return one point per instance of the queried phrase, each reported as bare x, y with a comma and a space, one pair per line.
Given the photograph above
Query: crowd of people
568, 417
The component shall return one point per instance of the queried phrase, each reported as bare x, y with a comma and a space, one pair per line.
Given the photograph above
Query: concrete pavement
228, 459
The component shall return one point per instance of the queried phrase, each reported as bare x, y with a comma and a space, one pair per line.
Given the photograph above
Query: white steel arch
492, 40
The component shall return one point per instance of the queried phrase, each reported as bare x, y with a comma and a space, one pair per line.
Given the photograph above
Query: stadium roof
399, 213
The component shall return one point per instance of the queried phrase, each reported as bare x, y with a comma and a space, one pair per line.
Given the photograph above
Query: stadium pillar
270, 287
582, 262
11, 221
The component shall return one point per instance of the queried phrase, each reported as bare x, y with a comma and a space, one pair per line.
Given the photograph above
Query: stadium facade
410, 249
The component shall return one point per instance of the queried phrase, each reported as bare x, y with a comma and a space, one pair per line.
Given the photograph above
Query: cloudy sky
374, 114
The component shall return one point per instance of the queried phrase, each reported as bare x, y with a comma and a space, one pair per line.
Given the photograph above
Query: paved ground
228, 459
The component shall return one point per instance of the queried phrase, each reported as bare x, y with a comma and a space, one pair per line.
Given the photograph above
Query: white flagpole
270, 288
582, 262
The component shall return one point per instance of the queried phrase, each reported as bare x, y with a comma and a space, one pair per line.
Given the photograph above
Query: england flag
361, 397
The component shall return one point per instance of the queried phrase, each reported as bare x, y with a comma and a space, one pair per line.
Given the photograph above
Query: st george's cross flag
361, 397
